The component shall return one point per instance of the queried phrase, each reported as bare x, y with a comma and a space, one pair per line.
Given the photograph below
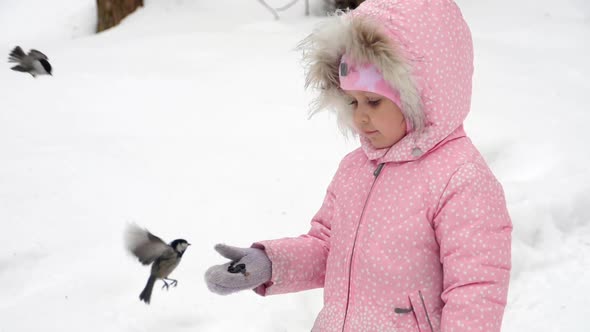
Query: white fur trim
365, 42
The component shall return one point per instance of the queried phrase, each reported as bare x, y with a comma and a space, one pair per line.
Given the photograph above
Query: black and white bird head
179, 245
34, 63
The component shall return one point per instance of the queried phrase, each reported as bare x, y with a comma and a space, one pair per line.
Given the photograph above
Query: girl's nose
361, 116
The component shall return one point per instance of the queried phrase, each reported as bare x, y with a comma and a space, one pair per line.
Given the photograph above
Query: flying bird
34, 63
150, 249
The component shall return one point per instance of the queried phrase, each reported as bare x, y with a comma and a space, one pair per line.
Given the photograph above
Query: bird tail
146, 294
16, 55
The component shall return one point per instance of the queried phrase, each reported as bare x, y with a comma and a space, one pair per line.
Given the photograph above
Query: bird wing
19, 68
169, 254
37, 55
144, 245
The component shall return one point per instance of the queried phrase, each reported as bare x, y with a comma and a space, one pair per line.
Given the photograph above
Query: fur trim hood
423, 48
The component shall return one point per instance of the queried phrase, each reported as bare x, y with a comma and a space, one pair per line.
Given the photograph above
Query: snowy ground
190, 119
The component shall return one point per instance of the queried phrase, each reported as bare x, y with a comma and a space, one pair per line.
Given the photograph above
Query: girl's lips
370, 133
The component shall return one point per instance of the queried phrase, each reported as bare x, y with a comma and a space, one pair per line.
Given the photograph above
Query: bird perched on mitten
34, 63
150, 249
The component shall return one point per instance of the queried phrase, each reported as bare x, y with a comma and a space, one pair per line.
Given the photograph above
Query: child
414, 233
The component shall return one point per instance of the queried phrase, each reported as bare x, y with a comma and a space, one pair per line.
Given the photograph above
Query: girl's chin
378, 145
376, 141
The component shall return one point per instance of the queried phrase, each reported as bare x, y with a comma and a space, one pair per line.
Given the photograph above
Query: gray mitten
248, 269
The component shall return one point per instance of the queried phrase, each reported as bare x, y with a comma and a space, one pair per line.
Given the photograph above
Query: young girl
413, 234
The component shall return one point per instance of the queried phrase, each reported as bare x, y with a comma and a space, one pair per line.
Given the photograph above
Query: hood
423, 48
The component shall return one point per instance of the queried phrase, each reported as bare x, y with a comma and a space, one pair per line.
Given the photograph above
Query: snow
190, 119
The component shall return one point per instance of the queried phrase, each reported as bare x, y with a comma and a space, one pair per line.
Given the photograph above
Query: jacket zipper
426, 311
376, 175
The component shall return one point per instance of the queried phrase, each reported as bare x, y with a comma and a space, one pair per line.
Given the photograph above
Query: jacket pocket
421, 312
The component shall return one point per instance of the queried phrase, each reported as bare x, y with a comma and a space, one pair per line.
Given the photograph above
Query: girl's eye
374, 103
353, 103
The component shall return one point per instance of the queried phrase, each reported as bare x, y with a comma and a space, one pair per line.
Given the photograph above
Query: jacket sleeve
473, 229
300, 263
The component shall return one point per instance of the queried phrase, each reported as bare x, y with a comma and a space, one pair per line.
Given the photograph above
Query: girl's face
377, 118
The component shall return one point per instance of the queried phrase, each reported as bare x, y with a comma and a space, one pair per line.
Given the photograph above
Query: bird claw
173, 283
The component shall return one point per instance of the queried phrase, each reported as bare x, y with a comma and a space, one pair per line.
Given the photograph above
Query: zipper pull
403, 310
378, 170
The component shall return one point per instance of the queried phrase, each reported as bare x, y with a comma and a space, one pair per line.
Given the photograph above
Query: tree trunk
111, 12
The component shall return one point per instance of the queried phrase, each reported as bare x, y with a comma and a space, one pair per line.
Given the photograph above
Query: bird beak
189, 244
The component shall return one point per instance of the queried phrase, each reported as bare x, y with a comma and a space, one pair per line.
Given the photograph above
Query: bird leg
174, 282
165, 284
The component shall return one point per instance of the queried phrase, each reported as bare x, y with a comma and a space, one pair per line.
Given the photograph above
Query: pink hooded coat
415, 237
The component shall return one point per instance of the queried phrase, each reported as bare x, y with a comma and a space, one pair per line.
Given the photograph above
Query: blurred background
189, 118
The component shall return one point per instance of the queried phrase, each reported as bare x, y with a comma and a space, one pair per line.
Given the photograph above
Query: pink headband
365, 78
369, 79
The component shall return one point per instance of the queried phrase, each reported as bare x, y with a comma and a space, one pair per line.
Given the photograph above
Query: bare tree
275, 11
111, 12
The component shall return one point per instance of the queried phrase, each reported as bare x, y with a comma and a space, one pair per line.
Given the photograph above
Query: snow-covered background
190, 119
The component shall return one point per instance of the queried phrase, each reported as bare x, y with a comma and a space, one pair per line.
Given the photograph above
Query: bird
150, 249
34, 63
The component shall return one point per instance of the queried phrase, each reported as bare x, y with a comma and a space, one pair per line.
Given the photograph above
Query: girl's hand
248, 269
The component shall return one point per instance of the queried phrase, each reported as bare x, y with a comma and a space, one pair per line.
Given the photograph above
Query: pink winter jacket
415, 237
